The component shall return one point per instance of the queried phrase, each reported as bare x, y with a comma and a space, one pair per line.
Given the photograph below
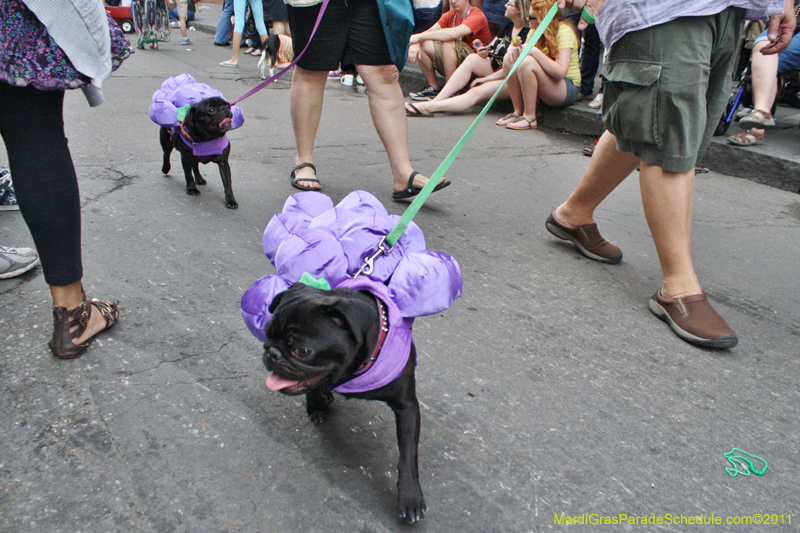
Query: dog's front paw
198, 179
165, 168
192, 191
318, 405
231, 204
411, 504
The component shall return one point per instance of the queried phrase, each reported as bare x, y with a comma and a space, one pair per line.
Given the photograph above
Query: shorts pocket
630, 109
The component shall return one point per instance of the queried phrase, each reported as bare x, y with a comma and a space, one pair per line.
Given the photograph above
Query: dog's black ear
355, 314
276, 301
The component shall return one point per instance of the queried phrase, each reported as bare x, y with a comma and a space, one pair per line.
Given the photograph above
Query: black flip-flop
411, 191
416, 112
295, 179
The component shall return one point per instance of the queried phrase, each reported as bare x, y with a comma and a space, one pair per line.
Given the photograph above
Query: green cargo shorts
667, 86
462, 51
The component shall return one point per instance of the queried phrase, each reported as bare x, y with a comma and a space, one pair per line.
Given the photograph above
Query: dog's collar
186, 133
384, 325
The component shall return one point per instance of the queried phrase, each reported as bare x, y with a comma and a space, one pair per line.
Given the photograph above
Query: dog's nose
271, 355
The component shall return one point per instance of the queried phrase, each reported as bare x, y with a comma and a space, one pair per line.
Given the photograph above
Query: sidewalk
775, 163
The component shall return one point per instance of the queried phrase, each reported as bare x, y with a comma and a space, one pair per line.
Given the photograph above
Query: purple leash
266, 82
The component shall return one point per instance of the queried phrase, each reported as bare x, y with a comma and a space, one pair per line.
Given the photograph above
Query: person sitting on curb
487, 63
766, 69
174, 17
550, 73
443, 47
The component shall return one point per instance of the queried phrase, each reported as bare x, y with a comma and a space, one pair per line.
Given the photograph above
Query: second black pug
319, 339
206, 121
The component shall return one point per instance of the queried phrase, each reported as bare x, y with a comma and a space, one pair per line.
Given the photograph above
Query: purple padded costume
183, 90
312, 235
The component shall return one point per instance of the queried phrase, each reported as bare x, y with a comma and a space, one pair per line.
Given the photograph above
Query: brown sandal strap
767, 114
109, 311
64, 320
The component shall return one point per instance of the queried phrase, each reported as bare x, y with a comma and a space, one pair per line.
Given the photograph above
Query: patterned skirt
29, 56
151, 20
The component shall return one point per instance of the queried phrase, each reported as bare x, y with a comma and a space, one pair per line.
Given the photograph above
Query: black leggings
32, 126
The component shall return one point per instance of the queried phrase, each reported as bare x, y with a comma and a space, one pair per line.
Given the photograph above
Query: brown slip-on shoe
586, 239
694, 320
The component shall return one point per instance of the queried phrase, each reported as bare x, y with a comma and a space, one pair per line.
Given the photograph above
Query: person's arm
437, 33
780, 30
592, 6
556, 69
414, 50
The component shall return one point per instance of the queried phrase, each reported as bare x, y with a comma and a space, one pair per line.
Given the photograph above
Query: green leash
387, 243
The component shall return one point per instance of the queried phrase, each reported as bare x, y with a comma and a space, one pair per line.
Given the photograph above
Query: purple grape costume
326, 241
180, 91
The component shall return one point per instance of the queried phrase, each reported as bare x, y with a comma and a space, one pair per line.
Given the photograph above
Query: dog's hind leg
198, 179
225, 174
318, 404
165, 139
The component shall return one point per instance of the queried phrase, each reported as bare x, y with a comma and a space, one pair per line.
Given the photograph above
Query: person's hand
513, 53
413, 53
780, 29
592, 6
477, 81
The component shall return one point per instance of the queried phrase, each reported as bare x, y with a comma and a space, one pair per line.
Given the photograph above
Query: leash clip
368, 265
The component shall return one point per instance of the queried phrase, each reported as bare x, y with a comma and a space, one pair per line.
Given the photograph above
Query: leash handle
394, 235
266, 82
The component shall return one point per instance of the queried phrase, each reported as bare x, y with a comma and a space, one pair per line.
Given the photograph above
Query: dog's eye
212, 110
301, 352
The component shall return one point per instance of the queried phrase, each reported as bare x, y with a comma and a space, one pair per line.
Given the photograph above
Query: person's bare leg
462, 102
306, 96
280, 27
607, 169
387, 106
529, 88
667, 198
69, 296
425, 63
182, 24
473, 64
449, 59
236, 42
514, 89
765, 81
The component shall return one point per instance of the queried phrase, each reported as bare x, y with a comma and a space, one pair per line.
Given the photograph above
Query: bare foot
563, 216
419, 182
97, 323
307, 172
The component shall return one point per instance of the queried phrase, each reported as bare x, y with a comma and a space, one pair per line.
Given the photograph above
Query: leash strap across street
387, 243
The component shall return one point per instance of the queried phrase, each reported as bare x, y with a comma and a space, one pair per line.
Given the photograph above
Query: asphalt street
548, 388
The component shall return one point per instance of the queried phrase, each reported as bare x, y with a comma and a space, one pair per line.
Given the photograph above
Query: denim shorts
572, 93
789, 58
667, 86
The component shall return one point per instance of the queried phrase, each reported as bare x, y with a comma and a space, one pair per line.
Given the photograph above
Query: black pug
316, 340
207, 120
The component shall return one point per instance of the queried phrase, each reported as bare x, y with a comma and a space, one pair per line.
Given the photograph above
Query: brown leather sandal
64, 320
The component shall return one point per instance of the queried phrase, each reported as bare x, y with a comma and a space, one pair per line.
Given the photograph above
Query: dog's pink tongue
226, 120
275, 383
